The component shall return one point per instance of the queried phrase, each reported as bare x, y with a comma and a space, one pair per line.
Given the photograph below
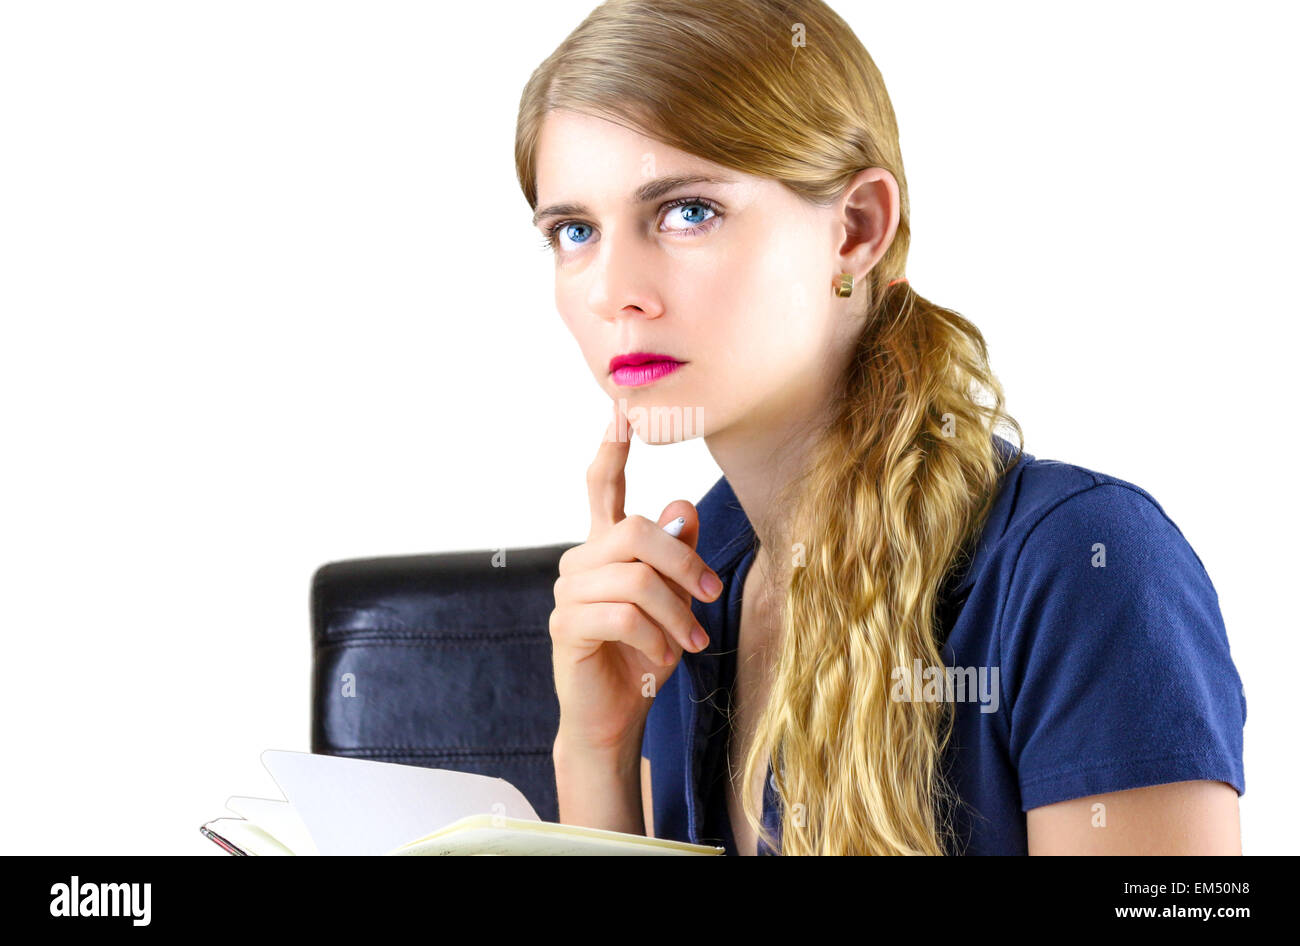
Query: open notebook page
278, 819
359, 806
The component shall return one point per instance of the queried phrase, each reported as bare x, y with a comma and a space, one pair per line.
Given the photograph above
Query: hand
622, 609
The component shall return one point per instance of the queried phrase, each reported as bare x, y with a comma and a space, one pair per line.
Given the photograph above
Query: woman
925, 641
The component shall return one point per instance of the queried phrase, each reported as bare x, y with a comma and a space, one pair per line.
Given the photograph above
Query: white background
270, 298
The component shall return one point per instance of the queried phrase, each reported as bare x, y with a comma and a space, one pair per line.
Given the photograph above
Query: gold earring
844, 285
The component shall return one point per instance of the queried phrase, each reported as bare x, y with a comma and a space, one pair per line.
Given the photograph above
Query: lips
641, 368
639, 358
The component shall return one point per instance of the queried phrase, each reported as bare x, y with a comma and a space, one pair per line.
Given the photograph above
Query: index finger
606, 482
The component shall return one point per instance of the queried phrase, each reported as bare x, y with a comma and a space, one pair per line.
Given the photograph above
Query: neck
759, 463
768, 448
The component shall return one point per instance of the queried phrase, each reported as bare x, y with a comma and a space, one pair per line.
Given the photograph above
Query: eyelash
550, 238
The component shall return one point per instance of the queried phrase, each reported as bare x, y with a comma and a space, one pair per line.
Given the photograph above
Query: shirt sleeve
1115, 661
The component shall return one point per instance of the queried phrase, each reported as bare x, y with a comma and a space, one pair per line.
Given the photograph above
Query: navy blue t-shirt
1112, 663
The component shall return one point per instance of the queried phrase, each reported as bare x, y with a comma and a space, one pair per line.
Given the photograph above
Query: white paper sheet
278, 819
363, 807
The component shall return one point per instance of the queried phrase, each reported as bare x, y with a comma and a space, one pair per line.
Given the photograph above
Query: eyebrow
651, 190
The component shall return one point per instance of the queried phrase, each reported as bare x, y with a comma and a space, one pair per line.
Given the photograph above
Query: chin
659, 423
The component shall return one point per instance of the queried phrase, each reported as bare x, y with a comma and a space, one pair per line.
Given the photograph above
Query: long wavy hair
899, 482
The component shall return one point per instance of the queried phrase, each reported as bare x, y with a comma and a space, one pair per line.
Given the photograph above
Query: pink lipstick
640, 368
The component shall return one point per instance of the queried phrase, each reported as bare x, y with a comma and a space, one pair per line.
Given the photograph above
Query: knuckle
643, 578
688, 561
623, 536
625, 618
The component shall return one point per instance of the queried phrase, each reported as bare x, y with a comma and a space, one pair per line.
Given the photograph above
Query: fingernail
699, 639
710, 583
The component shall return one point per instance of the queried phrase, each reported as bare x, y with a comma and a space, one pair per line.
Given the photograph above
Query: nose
623, 282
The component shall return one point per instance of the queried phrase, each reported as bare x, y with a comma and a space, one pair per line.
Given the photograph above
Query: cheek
572, 314
775, 314
587, 330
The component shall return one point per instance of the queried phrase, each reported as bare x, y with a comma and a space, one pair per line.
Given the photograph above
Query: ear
866, 219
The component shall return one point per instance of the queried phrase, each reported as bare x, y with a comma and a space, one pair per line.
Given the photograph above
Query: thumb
680, 517
688, 530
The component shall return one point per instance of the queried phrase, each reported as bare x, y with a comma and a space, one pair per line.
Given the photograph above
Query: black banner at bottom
236, 896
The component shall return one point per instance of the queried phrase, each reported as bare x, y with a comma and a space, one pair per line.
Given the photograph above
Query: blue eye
696, 222
562, 229
693, 204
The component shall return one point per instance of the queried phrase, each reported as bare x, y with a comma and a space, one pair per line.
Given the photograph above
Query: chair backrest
441, 660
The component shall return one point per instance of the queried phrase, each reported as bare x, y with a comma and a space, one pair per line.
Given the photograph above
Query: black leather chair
441, 660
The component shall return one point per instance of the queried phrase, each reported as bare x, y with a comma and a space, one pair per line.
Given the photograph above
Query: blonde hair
901, 479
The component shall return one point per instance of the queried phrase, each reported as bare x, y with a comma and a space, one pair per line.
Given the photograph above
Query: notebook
334, 805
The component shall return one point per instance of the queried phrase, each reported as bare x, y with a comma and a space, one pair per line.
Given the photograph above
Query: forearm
600, 789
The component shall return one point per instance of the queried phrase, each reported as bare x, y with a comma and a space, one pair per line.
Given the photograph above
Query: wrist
623, 756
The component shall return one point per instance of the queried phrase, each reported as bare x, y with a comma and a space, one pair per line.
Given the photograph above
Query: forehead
592, 155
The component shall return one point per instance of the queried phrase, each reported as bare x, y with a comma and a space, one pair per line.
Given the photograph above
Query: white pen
675, 527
